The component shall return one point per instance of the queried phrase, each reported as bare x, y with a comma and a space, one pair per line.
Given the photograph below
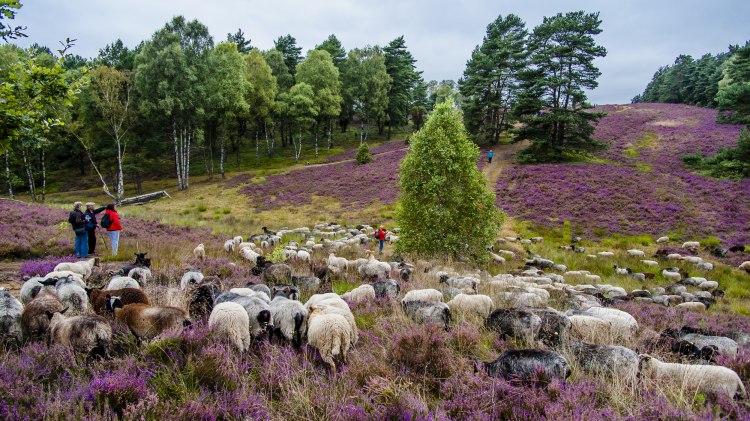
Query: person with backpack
78, 223
111, 222
380, 235
90, 217
490, 154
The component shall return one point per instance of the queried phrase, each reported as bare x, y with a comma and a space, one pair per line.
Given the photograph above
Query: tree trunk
44, 177
257, 148
187, 157
221, 158
361, 132
269, 145
29, 175
316, 140
7, 175
120, 192
177, 154
330, 123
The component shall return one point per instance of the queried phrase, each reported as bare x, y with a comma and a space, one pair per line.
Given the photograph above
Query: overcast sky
639, 35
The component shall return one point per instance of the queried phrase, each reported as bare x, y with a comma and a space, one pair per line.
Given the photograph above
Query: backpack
106, 221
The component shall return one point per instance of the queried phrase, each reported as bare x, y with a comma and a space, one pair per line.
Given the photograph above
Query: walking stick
104, 240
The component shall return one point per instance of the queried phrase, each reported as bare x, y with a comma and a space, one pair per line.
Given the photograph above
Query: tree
318, 71
117, 56
284, 82
298, 105
734, 90
260, 95
292, 54
553, 102
445, 207
335, 49
170, 79
366, 82
363, 154
491, 80
399, 65
8, 11
226, 91
238, 38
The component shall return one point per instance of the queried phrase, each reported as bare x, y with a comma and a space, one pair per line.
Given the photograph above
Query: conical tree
445, 207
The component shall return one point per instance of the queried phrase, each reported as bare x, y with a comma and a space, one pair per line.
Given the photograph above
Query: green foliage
363, 154
238, 38
734, 92
287, 46
8, 10
319, 71
727, 163
335, 49
366, 83
399, 64
277, 255
445, 207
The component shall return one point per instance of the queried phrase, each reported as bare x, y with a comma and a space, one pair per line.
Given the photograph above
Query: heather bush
423, 351
43, 266
118, 389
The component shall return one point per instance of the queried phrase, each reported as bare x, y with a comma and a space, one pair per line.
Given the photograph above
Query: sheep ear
286, 290
49, 315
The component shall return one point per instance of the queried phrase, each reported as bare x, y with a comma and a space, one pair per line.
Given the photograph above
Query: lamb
609, 360
515, 323
83, 267
202, 301
481, 305
146, 321
199, 252
363, 292
387, 289
636, 253
692, 246
99, 299
528, 365
10, 319
90, 335
230, 320
434, 312
422, 295
307, 284
289, 317
330, 334
193, 276
30, 289
695, 378
120, 282
34, 321
337, 263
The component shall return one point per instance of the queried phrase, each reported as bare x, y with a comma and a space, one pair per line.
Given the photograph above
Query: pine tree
445, 207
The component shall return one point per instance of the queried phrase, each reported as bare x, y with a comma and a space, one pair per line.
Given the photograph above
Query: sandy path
504, 156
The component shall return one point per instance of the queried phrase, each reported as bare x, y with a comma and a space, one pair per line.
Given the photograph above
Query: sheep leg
328, 359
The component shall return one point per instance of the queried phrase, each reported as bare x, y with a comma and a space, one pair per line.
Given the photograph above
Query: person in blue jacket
490, 154
91, 225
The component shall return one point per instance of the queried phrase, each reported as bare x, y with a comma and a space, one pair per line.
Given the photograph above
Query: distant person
380, 235
490, 154
91, 225
78, 223
111, 221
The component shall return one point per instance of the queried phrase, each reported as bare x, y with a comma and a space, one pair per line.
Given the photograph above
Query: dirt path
504, 156
9, 277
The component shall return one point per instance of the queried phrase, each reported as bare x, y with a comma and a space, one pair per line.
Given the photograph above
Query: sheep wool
30, 289
289, 316
693, 377
480, 305
230, 320
330, 334
34, 321
422, 295
362, 293
85, 334
147, 322
10, 319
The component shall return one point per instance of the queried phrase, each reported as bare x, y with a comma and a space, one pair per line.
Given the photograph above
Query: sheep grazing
480, 305
146, 322
248, 254
529, 365
620, 271
30, 289
259, 313
286, 291
229, 246
140, 274
230, 320
337, 263
661, 240
83, 267
332, 303
386, 289
193, 276
650, 263
76, 277
590, 329
605, 254
515, 323
307, 284
199, 252
70, 293
34, 321
694, 378
693, 306
277, 274
89, 334
100, 303
723, 345
466, 284
424, 312
330, 334
623, 325
10, 319
422, 295
260, 288
202, 301
361, 293
671, 276
289, 318
374, 268
120, 282
555, 326
745, 266
692, 246
609, 360
636, 253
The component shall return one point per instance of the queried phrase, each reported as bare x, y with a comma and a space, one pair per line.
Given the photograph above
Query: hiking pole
104, 240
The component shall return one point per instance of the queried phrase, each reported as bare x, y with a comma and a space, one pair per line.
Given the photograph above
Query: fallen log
144, 198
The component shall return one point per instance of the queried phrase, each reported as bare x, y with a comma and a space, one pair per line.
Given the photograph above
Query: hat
90, 204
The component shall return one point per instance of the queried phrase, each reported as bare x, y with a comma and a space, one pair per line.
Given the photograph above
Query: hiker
380, 236
111, 222
78, 223
490, 154
91, 225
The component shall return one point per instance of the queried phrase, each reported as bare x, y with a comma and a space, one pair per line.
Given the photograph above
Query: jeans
381, 245
114, 239
82, 245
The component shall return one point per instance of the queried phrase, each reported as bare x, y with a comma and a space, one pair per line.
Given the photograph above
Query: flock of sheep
61, 307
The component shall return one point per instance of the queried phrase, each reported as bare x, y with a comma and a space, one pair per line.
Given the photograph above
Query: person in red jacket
380, 236
114, 227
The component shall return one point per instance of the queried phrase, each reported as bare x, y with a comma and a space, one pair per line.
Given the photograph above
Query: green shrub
363, 154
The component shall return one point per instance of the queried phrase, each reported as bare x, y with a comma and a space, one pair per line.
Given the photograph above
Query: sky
639, 35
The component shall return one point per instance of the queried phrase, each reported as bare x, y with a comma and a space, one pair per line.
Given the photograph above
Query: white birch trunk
7, 176
177, 155
44, 177
29, 175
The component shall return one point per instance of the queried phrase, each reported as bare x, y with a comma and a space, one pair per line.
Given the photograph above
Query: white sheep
650, 263
330, 334
693, 259
316, 298
477, 304
338, 263
304, 255
199, 252
605, 254
691, 245
662, 240
120, 282
428, 294
708, 285
694, 306
230, 320
692, 378
624, 325
141, 274
59, 274
497, 258
72, 296
674, 256
373, 267
636, 253
364, 292
745, 266
593, 278
591, 329
705, 266
191, 277
672, 276
83, 267
30, 289
237, 240
507, 254
229, 246
249, 254
249, 292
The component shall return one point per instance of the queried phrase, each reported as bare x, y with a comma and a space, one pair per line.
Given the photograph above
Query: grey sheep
289, 318
259, 313
555, 326
88, 334
428, 312
10, 319
528, 365
287, 291
277, 274
609, 360
515, 323
308, 284
202, 301
70, 293
260, 288
466, 285
387, 289
30, 289
34, 321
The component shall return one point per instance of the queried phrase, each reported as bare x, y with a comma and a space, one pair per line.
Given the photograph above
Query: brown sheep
146, 321
34, 320
98, 298
91, 335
